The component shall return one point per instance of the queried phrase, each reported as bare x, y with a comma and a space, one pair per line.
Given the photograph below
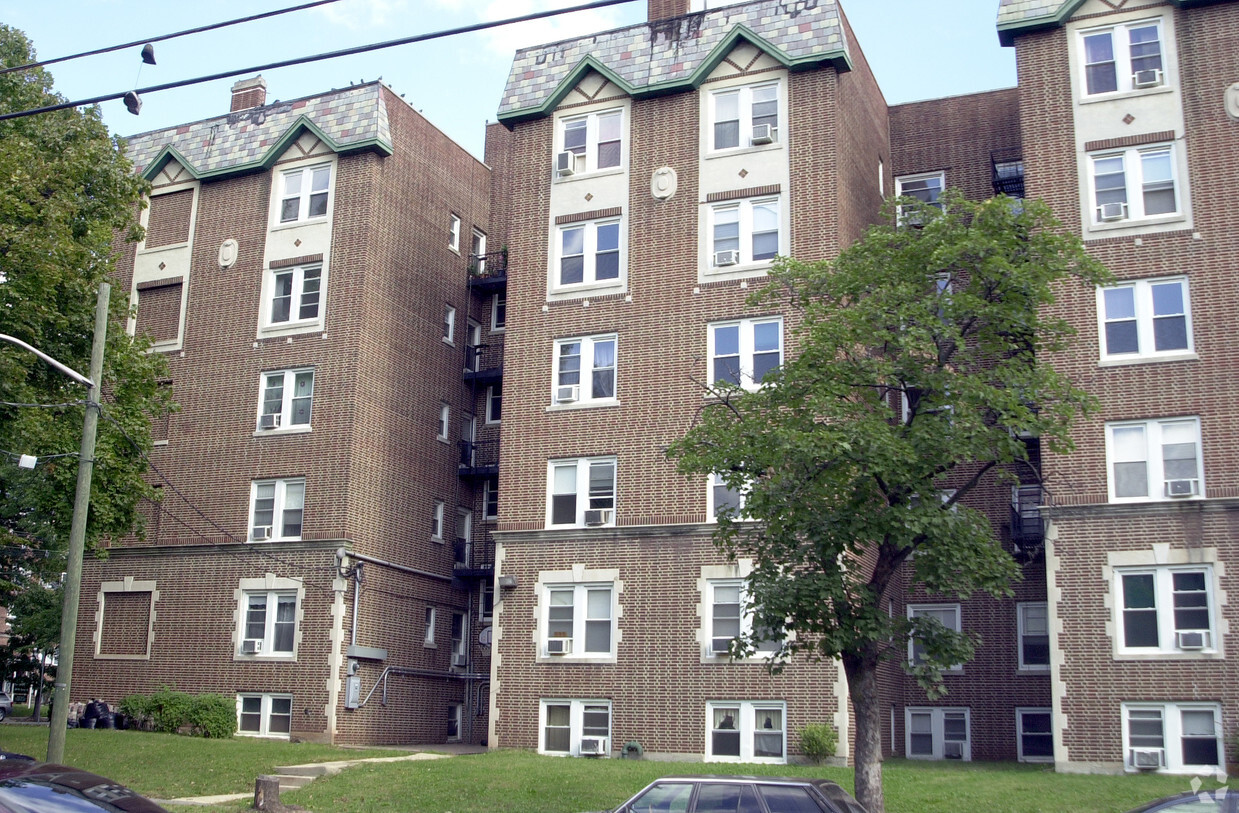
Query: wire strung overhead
359, 49
148, 40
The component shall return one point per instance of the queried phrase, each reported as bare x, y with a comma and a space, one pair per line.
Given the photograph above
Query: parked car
1222, 800
741, 794
27, 785
6, 705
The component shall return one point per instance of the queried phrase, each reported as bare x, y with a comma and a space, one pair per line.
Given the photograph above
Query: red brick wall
159, 311
168, 222
126, 623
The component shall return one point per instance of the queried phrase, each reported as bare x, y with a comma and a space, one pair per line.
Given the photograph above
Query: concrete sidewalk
297, 776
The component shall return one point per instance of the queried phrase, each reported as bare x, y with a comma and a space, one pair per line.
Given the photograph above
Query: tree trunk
38, 689
862, 675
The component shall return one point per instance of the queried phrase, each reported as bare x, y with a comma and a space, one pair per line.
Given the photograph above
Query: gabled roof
676, 54
1019, 16
346, 120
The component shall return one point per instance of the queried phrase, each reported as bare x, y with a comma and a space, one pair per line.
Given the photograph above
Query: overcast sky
918, 49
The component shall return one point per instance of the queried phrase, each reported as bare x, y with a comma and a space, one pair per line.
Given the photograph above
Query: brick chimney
666, 9
249, 93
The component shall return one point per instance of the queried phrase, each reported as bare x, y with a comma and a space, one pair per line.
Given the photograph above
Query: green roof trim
1007, 31
302, 125
838, 58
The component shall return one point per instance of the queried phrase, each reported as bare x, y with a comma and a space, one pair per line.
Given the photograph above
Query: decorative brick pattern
168, 222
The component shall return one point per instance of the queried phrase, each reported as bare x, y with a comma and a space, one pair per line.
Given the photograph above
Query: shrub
213, 716
170, 709
818, 741
139, 709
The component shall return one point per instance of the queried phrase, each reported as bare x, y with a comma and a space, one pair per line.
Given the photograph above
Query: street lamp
77, 531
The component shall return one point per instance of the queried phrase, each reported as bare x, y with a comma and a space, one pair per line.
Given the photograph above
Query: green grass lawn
167, 766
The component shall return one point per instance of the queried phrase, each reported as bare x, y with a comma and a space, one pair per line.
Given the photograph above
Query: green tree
916, 371
68, 200
35, 635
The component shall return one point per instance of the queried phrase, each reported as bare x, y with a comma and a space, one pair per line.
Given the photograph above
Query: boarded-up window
168, 223
126, 624
159, 309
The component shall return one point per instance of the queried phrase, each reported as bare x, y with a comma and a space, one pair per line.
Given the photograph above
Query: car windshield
17, 796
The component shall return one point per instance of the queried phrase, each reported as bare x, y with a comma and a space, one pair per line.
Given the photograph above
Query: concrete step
302, 770
292, 781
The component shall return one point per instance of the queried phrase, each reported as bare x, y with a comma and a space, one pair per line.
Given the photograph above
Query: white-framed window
581, 491
264, 715
453, 232
1034, 735
946, 614
746, 116
460, 644
304, 193
276, 510
588, 253
1174, 737
743, 351
436, 521
1154, 460
596, 140
926, 187
1146, 318
730, 616
269, 628
1134, 184
498, 312
565, 724
293, 295
477, 251
720, 497
490, 498
1167, 609
429, 639
1034, 635
285, 399
453, 722
445, 420
938, 733
1122, 58
584, 369
494, 403
746, 731
578, 620
464, 535
744, 232
449, 324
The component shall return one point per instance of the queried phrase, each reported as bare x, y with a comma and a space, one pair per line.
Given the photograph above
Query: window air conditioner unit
271, 421
559, 646
1192, 639
1182, 488
251, 646
601, 516
953, 750
1110, 212
568, 393
260, 533
1147, 759
1150, 78
720, 646
565, 163
460, 659
593, 746
762, 134
722, 258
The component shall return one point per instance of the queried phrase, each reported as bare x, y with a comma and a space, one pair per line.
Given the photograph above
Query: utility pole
77, 535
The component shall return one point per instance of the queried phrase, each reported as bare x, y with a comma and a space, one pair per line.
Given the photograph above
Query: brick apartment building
315, 553
644, 178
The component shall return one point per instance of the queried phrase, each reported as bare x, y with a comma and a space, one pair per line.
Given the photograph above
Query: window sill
725, 273
273, 540
292, 430
159, 442
580, 176
438, 540
579, 527
1170, 655
1154, 500
442, 440
577, 659
1130, 223
584, 290
447, 341
297, 224
1118, 95
594, 403
429, 645
750, 149
1133, 360
1033, 670
281, 658
289, 329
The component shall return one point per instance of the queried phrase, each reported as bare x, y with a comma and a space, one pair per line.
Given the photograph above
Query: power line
359, 49
163, 37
